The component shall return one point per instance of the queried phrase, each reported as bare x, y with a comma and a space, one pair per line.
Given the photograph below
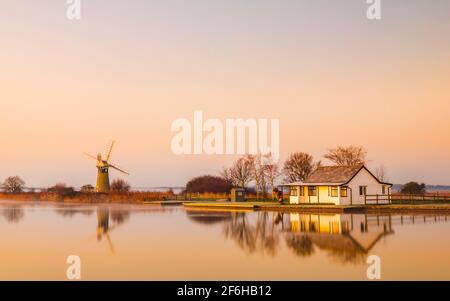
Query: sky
128, 69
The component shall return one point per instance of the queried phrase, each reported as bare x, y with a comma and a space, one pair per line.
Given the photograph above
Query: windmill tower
103, 170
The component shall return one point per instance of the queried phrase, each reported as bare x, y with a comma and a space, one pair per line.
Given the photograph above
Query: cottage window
312, 190
344, 191
302, 190
334, 191
294, 191
362, 190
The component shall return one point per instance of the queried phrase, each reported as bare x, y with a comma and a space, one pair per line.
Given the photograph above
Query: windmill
103, 170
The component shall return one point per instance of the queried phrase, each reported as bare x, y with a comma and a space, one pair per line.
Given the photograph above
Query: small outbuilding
237, 194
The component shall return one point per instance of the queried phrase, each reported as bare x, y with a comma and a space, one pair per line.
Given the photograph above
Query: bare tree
272, 171
263, 183
380, 172
259, 175
13, 185
347, 156
298, 167
120, 185
227, 175
241, 172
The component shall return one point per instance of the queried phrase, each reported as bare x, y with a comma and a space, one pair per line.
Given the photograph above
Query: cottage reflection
347, 238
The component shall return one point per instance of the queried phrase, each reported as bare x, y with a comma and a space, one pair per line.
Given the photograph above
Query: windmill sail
119, 169
110, 150
90, 156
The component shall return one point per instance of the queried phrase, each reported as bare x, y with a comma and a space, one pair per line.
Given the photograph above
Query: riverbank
325, 208
165, 199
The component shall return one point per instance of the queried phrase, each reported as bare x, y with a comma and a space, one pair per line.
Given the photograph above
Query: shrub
413, 188
120, 186
208, 183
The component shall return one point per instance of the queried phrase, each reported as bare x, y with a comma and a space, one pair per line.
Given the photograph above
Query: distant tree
120, 185
413, 188
87, 188
347, 156
62, 189
13, 185
208, 183
298, 167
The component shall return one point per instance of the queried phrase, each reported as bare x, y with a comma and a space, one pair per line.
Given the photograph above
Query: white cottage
340, 185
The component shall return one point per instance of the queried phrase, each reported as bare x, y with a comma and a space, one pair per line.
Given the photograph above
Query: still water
135, 242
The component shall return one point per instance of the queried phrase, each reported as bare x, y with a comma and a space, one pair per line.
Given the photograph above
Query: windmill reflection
104, 215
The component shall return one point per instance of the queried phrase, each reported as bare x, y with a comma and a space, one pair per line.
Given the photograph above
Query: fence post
377, 198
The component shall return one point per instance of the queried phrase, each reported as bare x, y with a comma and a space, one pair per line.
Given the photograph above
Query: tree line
261, 170
264, 172
16, 184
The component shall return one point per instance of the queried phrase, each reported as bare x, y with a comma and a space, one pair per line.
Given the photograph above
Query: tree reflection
241, 231
120, 216
13, 214
300, 245
208, 217
71, 212
348, 255
261, 235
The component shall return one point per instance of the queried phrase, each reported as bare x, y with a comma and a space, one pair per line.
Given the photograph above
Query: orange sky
126, 71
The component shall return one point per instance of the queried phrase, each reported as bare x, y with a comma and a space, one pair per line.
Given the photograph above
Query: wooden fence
379, 199
427, 197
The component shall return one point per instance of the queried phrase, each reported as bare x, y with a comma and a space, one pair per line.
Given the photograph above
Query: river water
137, 242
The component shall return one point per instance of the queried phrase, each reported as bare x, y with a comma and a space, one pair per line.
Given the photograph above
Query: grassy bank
83, 197
135, 197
